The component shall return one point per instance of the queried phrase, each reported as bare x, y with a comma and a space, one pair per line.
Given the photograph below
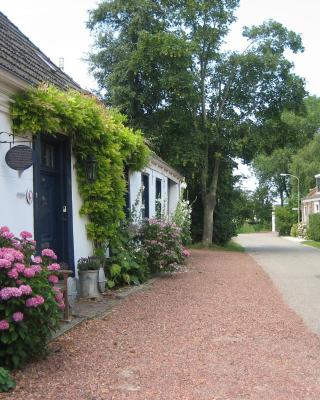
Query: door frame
146, 194
65, 183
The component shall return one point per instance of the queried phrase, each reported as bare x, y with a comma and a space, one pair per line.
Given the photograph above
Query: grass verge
311, 243
253, 228
230, 246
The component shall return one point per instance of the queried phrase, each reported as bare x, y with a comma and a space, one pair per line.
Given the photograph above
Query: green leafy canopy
162, 63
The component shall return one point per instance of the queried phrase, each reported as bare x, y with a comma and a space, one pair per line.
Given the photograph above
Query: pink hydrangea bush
162, 245
30, 304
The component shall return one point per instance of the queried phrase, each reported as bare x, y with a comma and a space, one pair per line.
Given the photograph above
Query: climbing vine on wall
93, 130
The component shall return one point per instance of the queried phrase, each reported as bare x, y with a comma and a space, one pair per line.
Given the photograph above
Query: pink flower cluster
49, 253
186, 252
162, 244
157, 222
8, 254
4, 325
17, 316
9, 292
5, 233
53, 267
36, 260
25, 289
25, 235
59, 297
53, 279
32, 271
17, 264
4, 263
35, 301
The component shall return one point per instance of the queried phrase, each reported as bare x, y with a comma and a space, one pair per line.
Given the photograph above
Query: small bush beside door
313, 231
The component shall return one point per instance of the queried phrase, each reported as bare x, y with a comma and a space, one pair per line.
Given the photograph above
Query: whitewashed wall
82, 246
15, 212
169, 200
135, 191
174, 195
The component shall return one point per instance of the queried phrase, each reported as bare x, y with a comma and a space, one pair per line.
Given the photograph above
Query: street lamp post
298, 193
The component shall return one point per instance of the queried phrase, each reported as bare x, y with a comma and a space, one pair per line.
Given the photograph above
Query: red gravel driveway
219, 331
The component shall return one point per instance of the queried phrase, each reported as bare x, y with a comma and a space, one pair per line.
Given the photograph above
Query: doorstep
85, 309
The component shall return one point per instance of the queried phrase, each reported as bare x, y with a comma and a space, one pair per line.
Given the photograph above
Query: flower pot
89, 283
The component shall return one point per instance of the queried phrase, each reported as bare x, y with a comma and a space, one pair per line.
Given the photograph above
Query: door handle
64, 209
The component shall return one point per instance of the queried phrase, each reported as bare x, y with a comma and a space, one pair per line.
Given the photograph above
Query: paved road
295, 270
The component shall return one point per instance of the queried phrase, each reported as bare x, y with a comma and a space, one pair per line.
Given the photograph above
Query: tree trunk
281, 198
207, 232
209, 200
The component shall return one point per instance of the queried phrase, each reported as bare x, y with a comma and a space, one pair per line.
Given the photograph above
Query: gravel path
219, 331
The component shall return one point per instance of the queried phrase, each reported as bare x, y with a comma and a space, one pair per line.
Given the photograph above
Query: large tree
160, 62
296, 131
306, 164
267, 170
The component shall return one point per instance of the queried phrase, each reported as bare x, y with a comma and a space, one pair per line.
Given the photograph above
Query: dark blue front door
52, 207
49, 207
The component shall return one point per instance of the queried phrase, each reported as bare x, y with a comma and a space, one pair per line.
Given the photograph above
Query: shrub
6, 381
29, 302
224, 226
313, 230
299, 230
246, 228
88, 263
127, 263
182, 219
294, 230
302, 230
285, 218
252, 228
162, 245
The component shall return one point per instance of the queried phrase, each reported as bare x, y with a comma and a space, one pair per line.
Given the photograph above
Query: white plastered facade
170, 188
16, 211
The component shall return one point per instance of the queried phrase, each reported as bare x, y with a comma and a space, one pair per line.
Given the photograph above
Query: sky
58, 28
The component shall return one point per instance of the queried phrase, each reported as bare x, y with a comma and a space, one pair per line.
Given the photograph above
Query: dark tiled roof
21, 57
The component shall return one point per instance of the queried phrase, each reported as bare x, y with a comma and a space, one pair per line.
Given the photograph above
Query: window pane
47, 155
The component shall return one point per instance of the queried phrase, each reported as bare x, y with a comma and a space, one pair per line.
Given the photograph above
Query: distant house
311, 203
44, 198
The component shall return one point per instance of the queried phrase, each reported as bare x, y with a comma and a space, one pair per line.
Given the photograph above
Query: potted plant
88, 268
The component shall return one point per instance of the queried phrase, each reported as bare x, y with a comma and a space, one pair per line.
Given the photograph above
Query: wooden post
66, 312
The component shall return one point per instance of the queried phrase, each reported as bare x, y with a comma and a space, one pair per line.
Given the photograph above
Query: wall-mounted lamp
91, 167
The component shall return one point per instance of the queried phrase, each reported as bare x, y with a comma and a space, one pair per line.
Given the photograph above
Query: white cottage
311, 203
155, 190
44, 198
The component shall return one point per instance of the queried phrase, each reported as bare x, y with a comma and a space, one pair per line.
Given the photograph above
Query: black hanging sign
19, 157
